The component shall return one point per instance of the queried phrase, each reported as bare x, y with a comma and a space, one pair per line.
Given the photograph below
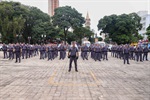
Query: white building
145, 21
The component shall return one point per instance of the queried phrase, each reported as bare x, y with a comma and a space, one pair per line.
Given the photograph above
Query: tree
17, 19
81, 32
10, 23
100, 39
34, 17
44, 28
66, 18
106, 40
70, 37
122, 28
148, 32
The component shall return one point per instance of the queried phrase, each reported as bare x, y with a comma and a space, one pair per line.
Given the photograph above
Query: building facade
145, 21
87, 21
52, 5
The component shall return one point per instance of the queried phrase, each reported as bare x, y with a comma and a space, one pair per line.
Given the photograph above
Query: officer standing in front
73, 54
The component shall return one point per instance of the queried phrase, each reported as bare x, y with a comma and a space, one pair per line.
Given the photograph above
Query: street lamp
29, 38
43, 37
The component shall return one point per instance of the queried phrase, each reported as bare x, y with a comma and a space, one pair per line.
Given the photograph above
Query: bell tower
52, 5
87, 21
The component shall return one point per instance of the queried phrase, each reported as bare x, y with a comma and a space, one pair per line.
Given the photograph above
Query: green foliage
11, 24
43, 28
100, 39
148, 32
66, 18
71, 37
106, 40
122, 28
17, 19
81, 32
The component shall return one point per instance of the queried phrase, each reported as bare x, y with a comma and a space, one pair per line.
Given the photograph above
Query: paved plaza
35, 79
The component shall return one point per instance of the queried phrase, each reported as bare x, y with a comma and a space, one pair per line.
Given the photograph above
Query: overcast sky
97, 8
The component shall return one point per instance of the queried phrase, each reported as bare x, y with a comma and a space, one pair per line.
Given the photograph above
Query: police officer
135, 53
42, 51
85, 50
73, 54
105, 52
28, 51
97, 52
140, 53
126, 54
4, 48
131, 52
24, 51
10, 50
36, 49
62, 51
13, 45
45, 53
121, 52
50, 52
18, 52
145, 55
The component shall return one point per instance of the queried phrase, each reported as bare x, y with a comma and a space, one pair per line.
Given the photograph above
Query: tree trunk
65, 33
65, 37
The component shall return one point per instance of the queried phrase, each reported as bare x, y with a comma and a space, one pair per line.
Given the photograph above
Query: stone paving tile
35, 79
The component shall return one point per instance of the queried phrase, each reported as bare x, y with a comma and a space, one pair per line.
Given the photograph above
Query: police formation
127, 53
51, 51
19, 51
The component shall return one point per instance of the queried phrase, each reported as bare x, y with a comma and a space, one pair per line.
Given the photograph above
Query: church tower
87, 21
52, 5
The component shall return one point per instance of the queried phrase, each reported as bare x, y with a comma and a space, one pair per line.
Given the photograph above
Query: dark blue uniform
145, 55
126, 55
24, 51
10, 50
62, 51
105, 53
84, 53
42, 52
18, 53
4, 48
132, 53
73, 57
50, 53
98, 53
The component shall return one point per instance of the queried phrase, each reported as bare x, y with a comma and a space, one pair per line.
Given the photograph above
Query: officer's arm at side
69, 52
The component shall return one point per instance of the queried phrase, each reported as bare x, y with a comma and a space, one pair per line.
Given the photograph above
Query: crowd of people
52, 51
